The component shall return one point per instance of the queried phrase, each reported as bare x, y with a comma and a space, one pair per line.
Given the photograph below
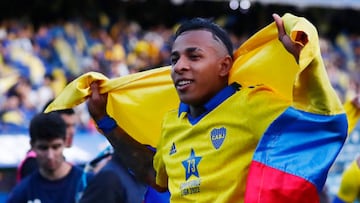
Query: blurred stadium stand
150, 12
354, 4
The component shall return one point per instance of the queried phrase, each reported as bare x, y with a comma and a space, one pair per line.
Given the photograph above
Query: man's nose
181, 65
50, 154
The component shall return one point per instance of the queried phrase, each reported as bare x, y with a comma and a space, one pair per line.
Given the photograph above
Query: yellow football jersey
207, 154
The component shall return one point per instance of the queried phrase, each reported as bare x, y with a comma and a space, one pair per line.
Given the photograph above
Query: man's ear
226, 65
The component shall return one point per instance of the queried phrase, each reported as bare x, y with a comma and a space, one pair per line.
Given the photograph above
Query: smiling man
251, 139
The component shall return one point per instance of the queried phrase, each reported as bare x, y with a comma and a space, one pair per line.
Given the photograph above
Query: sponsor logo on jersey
190, 187
191, 170
173, 149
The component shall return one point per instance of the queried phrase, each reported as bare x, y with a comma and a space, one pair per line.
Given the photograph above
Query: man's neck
57, 174
219, 97
196, 111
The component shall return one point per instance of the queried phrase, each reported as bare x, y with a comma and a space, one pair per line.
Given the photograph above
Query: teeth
184, 82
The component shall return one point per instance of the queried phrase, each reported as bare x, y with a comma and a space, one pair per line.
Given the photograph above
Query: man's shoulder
76, 168
258, 94
26, 182
79, 172
170, 115
252, 88
76, 171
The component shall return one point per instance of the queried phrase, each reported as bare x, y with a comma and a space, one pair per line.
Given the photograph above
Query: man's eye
194, 57
55, 147
173, 60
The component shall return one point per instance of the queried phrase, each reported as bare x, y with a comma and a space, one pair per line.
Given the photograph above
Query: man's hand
96, 102
290, 46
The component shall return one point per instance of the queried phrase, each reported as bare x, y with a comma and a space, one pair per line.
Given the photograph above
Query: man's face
70, 121
49, 153
197, 66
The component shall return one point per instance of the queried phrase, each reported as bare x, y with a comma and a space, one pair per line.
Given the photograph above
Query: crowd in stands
36, 63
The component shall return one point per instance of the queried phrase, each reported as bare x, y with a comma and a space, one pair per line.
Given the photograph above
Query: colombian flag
292, 159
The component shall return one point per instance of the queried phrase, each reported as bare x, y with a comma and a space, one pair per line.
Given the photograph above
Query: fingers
95, 94
280, 26
97, 102
94, 87
290, 46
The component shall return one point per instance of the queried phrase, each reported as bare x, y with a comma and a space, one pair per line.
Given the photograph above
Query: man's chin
50, 168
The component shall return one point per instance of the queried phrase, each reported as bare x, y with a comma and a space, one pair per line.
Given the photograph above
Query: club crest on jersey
218, 136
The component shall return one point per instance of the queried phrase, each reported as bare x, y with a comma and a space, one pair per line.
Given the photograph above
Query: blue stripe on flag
303, 144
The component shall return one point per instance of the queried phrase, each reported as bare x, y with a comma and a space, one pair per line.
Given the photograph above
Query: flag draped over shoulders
286, 151
137, 101
292, 159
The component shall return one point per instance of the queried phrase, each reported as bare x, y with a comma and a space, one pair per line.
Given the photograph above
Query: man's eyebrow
174, 53
42, 146
191, 49
187, 50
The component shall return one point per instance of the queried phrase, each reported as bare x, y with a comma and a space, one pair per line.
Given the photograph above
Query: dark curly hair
47, 126
207, 24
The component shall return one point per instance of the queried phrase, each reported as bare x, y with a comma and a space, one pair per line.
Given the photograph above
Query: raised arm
136, 156
291, 46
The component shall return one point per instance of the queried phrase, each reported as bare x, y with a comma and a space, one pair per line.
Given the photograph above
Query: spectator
56, 180
29, 164
115, 183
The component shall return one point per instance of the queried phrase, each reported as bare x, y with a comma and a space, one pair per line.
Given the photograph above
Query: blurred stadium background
22, 23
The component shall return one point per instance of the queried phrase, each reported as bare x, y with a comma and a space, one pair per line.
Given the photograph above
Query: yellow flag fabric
352, 114
262, 59
138, 101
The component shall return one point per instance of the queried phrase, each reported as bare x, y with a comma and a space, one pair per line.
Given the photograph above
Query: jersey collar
211, 104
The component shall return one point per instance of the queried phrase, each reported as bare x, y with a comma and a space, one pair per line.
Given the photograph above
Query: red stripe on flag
270, 185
